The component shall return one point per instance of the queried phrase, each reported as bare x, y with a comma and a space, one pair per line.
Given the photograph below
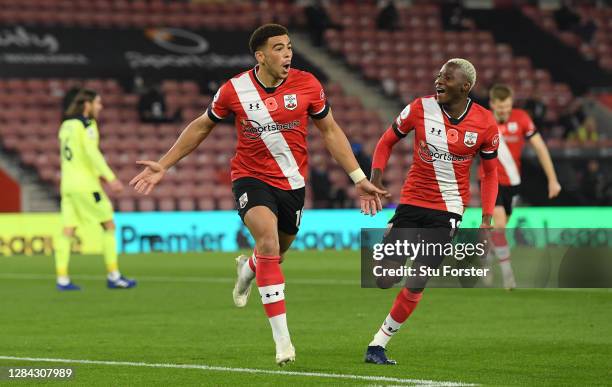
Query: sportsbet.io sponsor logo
253, 130
429, 153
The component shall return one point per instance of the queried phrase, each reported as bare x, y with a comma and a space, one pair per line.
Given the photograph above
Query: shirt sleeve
488, 149
528, 126
406, 120
220, 108
89, 138
318, 107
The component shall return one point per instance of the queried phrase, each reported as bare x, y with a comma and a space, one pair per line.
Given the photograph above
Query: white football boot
285, 351
242, 287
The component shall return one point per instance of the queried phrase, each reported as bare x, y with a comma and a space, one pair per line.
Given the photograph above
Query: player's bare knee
388, 279
386, 282
267, 245
499, 217
500, 225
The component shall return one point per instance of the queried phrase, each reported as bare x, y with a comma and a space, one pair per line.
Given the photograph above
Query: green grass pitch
182, 313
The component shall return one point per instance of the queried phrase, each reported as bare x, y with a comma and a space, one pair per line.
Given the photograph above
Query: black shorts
506, 196
287, 205
408, 216
441, 228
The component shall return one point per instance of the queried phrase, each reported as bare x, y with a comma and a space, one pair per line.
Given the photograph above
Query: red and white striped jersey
514, 132
444, 149
271, 125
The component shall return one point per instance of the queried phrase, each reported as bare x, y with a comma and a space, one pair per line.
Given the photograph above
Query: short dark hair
77, 106
260, 36
500, 92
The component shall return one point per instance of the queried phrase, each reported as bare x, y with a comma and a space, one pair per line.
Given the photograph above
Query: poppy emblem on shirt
452, 136
469, 138
290, 101
271, 104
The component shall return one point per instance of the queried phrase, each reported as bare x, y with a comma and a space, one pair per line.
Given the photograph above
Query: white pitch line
86, 277
428, 383
297, 281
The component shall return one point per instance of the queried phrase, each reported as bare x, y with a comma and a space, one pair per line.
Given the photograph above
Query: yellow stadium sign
33, 234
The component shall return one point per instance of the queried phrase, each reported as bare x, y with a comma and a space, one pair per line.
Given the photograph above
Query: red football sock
500, 245
271, 284
405, 303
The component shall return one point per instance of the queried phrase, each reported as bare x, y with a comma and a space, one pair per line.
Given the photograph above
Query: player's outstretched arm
339, 147
382, 152
190, 138
488, 190
547, 165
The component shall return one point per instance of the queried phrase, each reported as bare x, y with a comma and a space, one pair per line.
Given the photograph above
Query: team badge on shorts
290, 101
469, 138
243, 200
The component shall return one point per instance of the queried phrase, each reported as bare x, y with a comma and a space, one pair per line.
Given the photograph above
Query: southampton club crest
290, 101
469, 138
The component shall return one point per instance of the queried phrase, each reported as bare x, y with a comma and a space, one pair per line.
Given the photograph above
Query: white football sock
386, 331
279, 327
114, 275
63, 280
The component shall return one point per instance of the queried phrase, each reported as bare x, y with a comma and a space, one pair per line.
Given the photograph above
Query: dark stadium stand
30, 118
600, 47
410, 57
413, 55
124, 13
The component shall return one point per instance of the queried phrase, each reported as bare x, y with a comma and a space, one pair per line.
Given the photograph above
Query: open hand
146, 180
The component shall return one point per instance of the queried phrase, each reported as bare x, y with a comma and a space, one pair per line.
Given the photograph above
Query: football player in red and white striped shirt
271, 104
515, 126
449, 130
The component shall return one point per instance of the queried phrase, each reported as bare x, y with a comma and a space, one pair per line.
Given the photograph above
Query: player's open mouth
440, 91
286, 66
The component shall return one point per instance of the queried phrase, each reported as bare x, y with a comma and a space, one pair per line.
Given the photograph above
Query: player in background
515, 126
271, 104
449, 132
83, 199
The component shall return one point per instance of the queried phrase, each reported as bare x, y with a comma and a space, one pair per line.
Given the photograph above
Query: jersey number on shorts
66, 151
298, 215
454, 223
